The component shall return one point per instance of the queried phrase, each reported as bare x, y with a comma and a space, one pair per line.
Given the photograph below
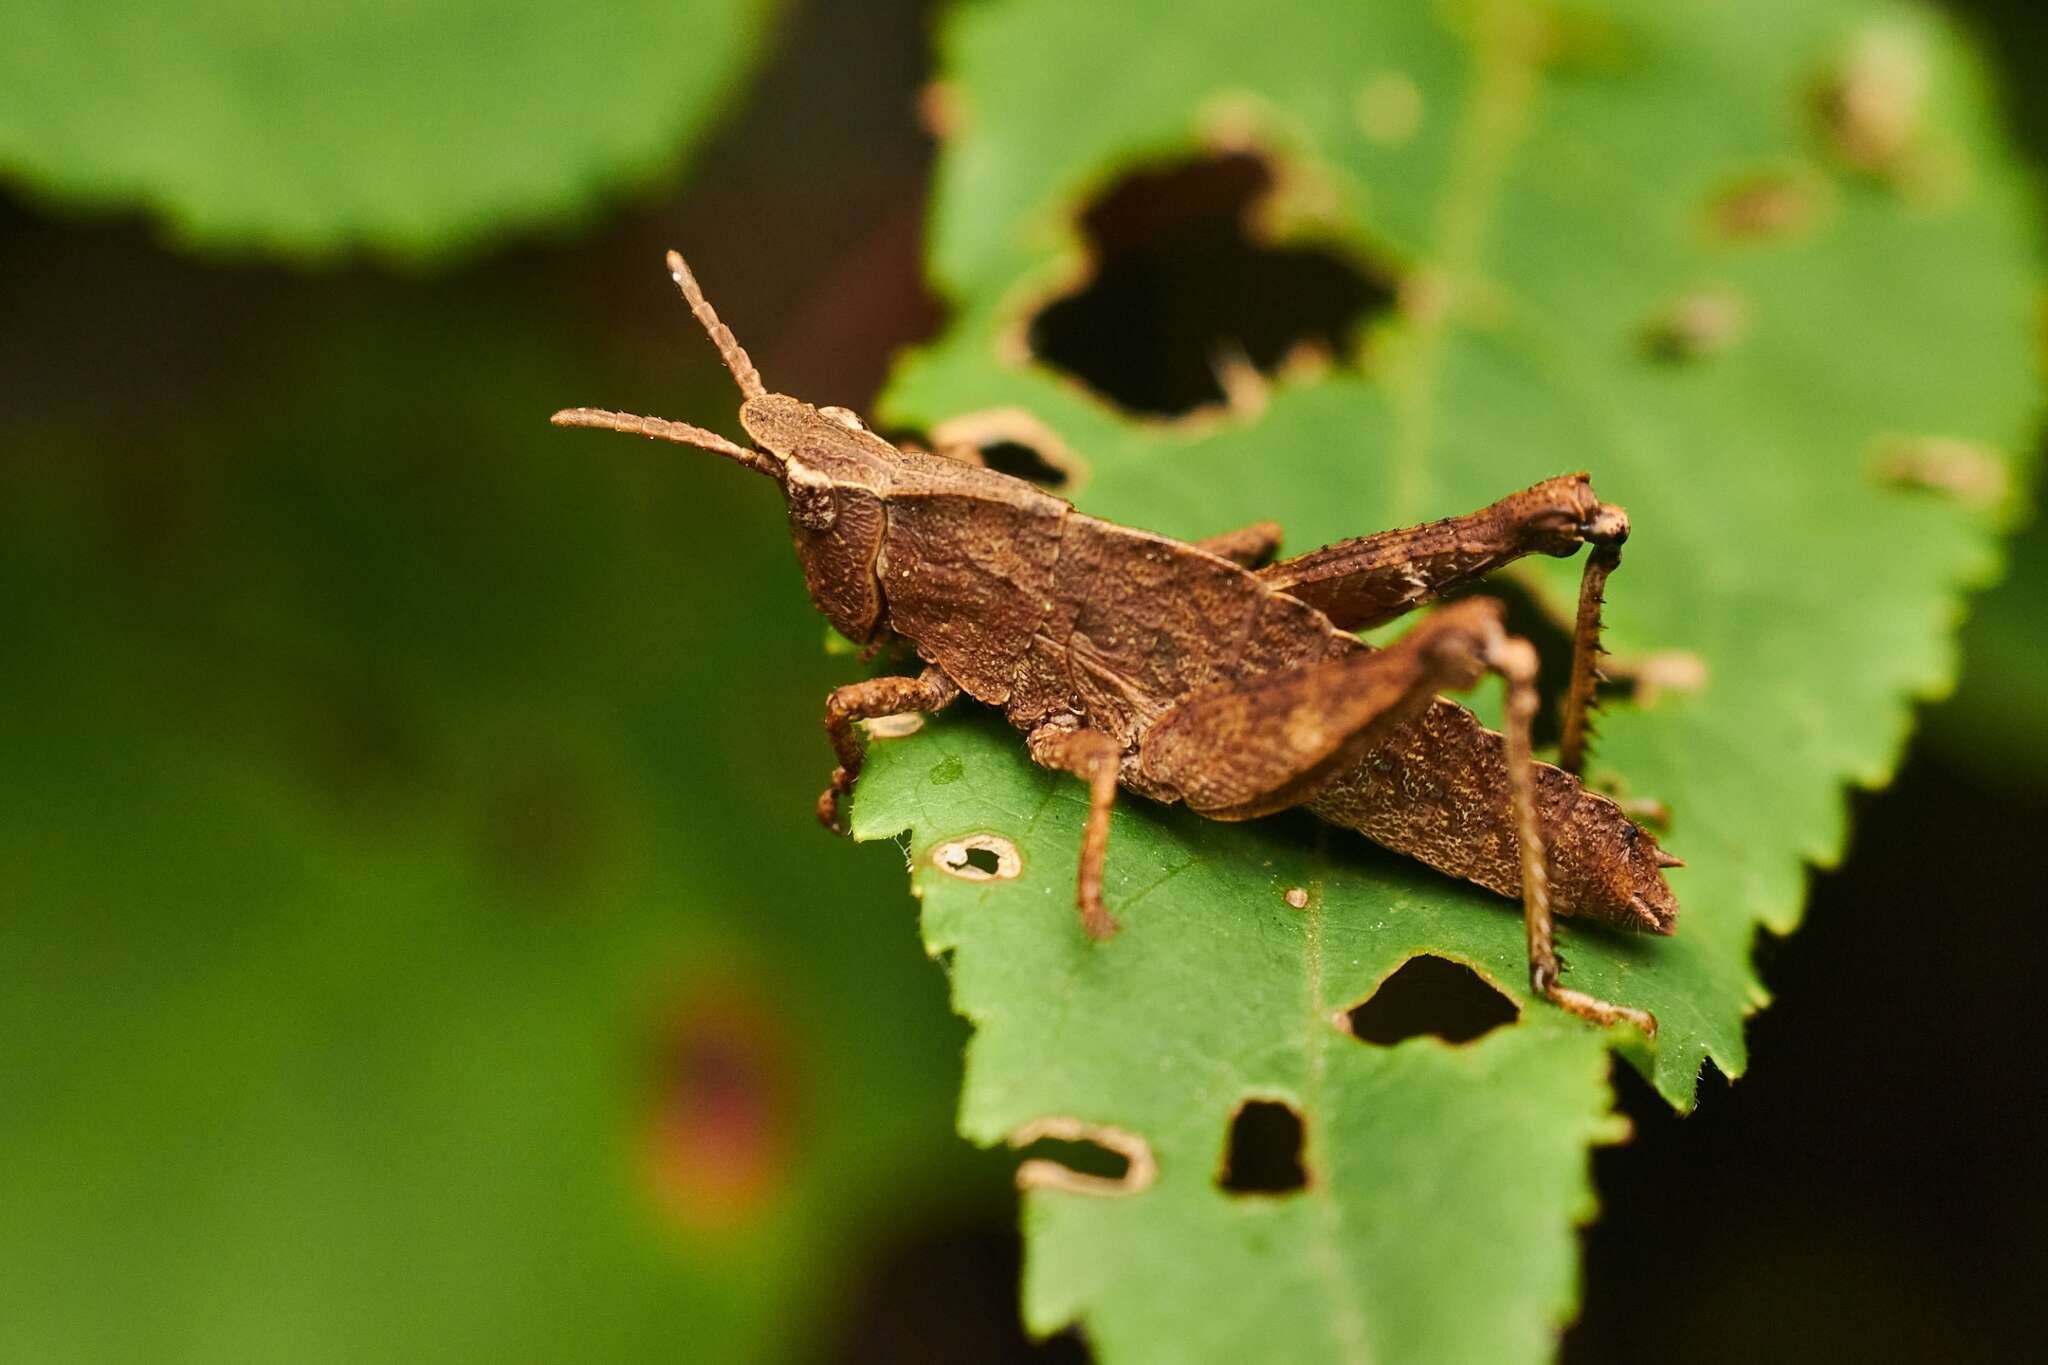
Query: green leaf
1217, 991
410, 127
378, 850
1552, 193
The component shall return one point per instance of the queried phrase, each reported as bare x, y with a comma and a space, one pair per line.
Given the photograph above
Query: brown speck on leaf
1965, 470
1297, 896
1873, 104
1668, 670
1765, 206
1699, 324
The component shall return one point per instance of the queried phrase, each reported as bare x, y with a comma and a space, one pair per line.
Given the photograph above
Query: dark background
1866, 1192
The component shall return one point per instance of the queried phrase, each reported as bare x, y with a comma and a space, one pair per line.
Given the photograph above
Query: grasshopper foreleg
930, 690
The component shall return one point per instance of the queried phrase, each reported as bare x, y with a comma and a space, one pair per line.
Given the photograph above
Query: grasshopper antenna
660, 429
729, 349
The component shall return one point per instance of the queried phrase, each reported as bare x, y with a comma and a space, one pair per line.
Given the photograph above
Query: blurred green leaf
1560, 189
410, 952
410, 127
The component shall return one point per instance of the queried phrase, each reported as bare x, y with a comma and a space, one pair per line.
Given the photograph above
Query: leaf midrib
1496, 114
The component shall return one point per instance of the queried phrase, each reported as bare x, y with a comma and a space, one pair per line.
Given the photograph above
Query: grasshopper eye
845, 417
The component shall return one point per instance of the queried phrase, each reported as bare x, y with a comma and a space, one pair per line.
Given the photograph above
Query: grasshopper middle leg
1094, 757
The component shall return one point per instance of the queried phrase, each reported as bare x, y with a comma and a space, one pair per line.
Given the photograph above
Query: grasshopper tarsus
828, 801
1601, 1012
1097, 922
1200, 672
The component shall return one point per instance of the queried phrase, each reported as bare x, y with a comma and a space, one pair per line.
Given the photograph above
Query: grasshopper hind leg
1515, 660
1279, 739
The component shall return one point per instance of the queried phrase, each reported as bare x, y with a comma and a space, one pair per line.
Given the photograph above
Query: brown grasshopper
1204, 673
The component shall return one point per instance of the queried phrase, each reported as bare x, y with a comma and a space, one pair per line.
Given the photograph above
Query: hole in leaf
1182, 289
1016, 458
1435, 997
896, 726
1081, 1157
1065, 1153
979, 858
1264, 1156
1014, 441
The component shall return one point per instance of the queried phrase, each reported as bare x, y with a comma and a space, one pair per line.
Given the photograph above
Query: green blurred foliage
407, 127
1556, 192
404, 955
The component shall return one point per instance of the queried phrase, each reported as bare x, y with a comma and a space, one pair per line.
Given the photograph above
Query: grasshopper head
831, 469
834, 475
